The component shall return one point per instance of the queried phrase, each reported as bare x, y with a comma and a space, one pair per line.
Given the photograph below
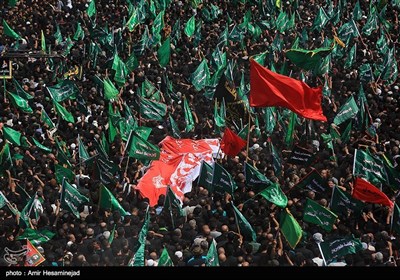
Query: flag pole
248, 138
322, 254
236, 219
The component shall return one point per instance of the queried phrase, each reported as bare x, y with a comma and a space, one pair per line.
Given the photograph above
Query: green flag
260, 58
222, 180
348, 31
342, 202
63, 113
255, 178
188, 116
390, 71
110, 92
10, 32
274, 194
58, 36
219, 115
158, 25
150, 91
395, 223
290, 228
165, 259
174, 126
366, 73
82, 152
201, 76
245, 228
20, 91
206, 176
143, 231
172, 201
313, 182
190, 26
212, 255
138, 257
12, 3
368, 167
13, 136
282, 21
351, 57
72, 199
61, 172
317, 214
243, 132
372, 22
40, 146
152, 110
61, 156
276, 160
43, 41
108, 201
307, 59
132, 63
46, 119
36, 237
6, 162
91, 10
320, 20
121, 71
142, 149
79, 33
357, 12
291, 129
164, 52
133, 20
66, 89
347, 111
3, 200
339, 247
20, 102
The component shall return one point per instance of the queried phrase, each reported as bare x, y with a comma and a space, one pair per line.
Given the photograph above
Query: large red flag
363, 190
231, 144
268, 89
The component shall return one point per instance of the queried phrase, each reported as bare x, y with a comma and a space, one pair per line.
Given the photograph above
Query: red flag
231, 144
33, 256
363, 190
268, 89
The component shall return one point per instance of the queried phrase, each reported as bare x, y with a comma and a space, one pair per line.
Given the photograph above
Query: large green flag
320, 20
172, 201
36, 237
13, 136
164, 52
82, 152
62, 172
152, 110
290, 228
158, 25
188, 116
40, 146
245, 228
79, 33
150, 91
366, 73
141, 149
393, 175
269, 119
138, 257
282, 21
57, 35
110, 91
91, 10
33, 205
317, 214
43, 41
276, 160
132, 62
307, 59
201, 76
12, 3
6, 162
369, 167
61, 111
372, 22
165, 259
347, 111
61, 156
66, 89
121, 71
72, 199
348, 31
291, 129
222, 180
206, 176
243, 132
175, 129
339, 247
390, 71
190, 26
212, 255
395, 223
10, 32
108, 201
274, 194
342, 202
20, 102
255, 178
357, 12
219, 115
20, 91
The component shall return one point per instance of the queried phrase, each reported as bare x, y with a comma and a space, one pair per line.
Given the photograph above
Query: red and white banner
178, 166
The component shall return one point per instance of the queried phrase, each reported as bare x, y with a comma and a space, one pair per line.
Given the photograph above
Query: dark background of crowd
84, 242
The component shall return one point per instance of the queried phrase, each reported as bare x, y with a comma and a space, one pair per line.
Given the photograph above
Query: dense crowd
208, 216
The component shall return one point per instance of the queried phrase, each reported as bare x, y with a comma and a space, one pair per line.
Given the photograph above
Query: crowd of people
208, 216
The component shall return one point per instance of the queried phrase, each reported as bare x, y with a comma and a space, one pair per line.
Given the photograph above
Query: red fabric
268, 89
363, 190
231, 144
